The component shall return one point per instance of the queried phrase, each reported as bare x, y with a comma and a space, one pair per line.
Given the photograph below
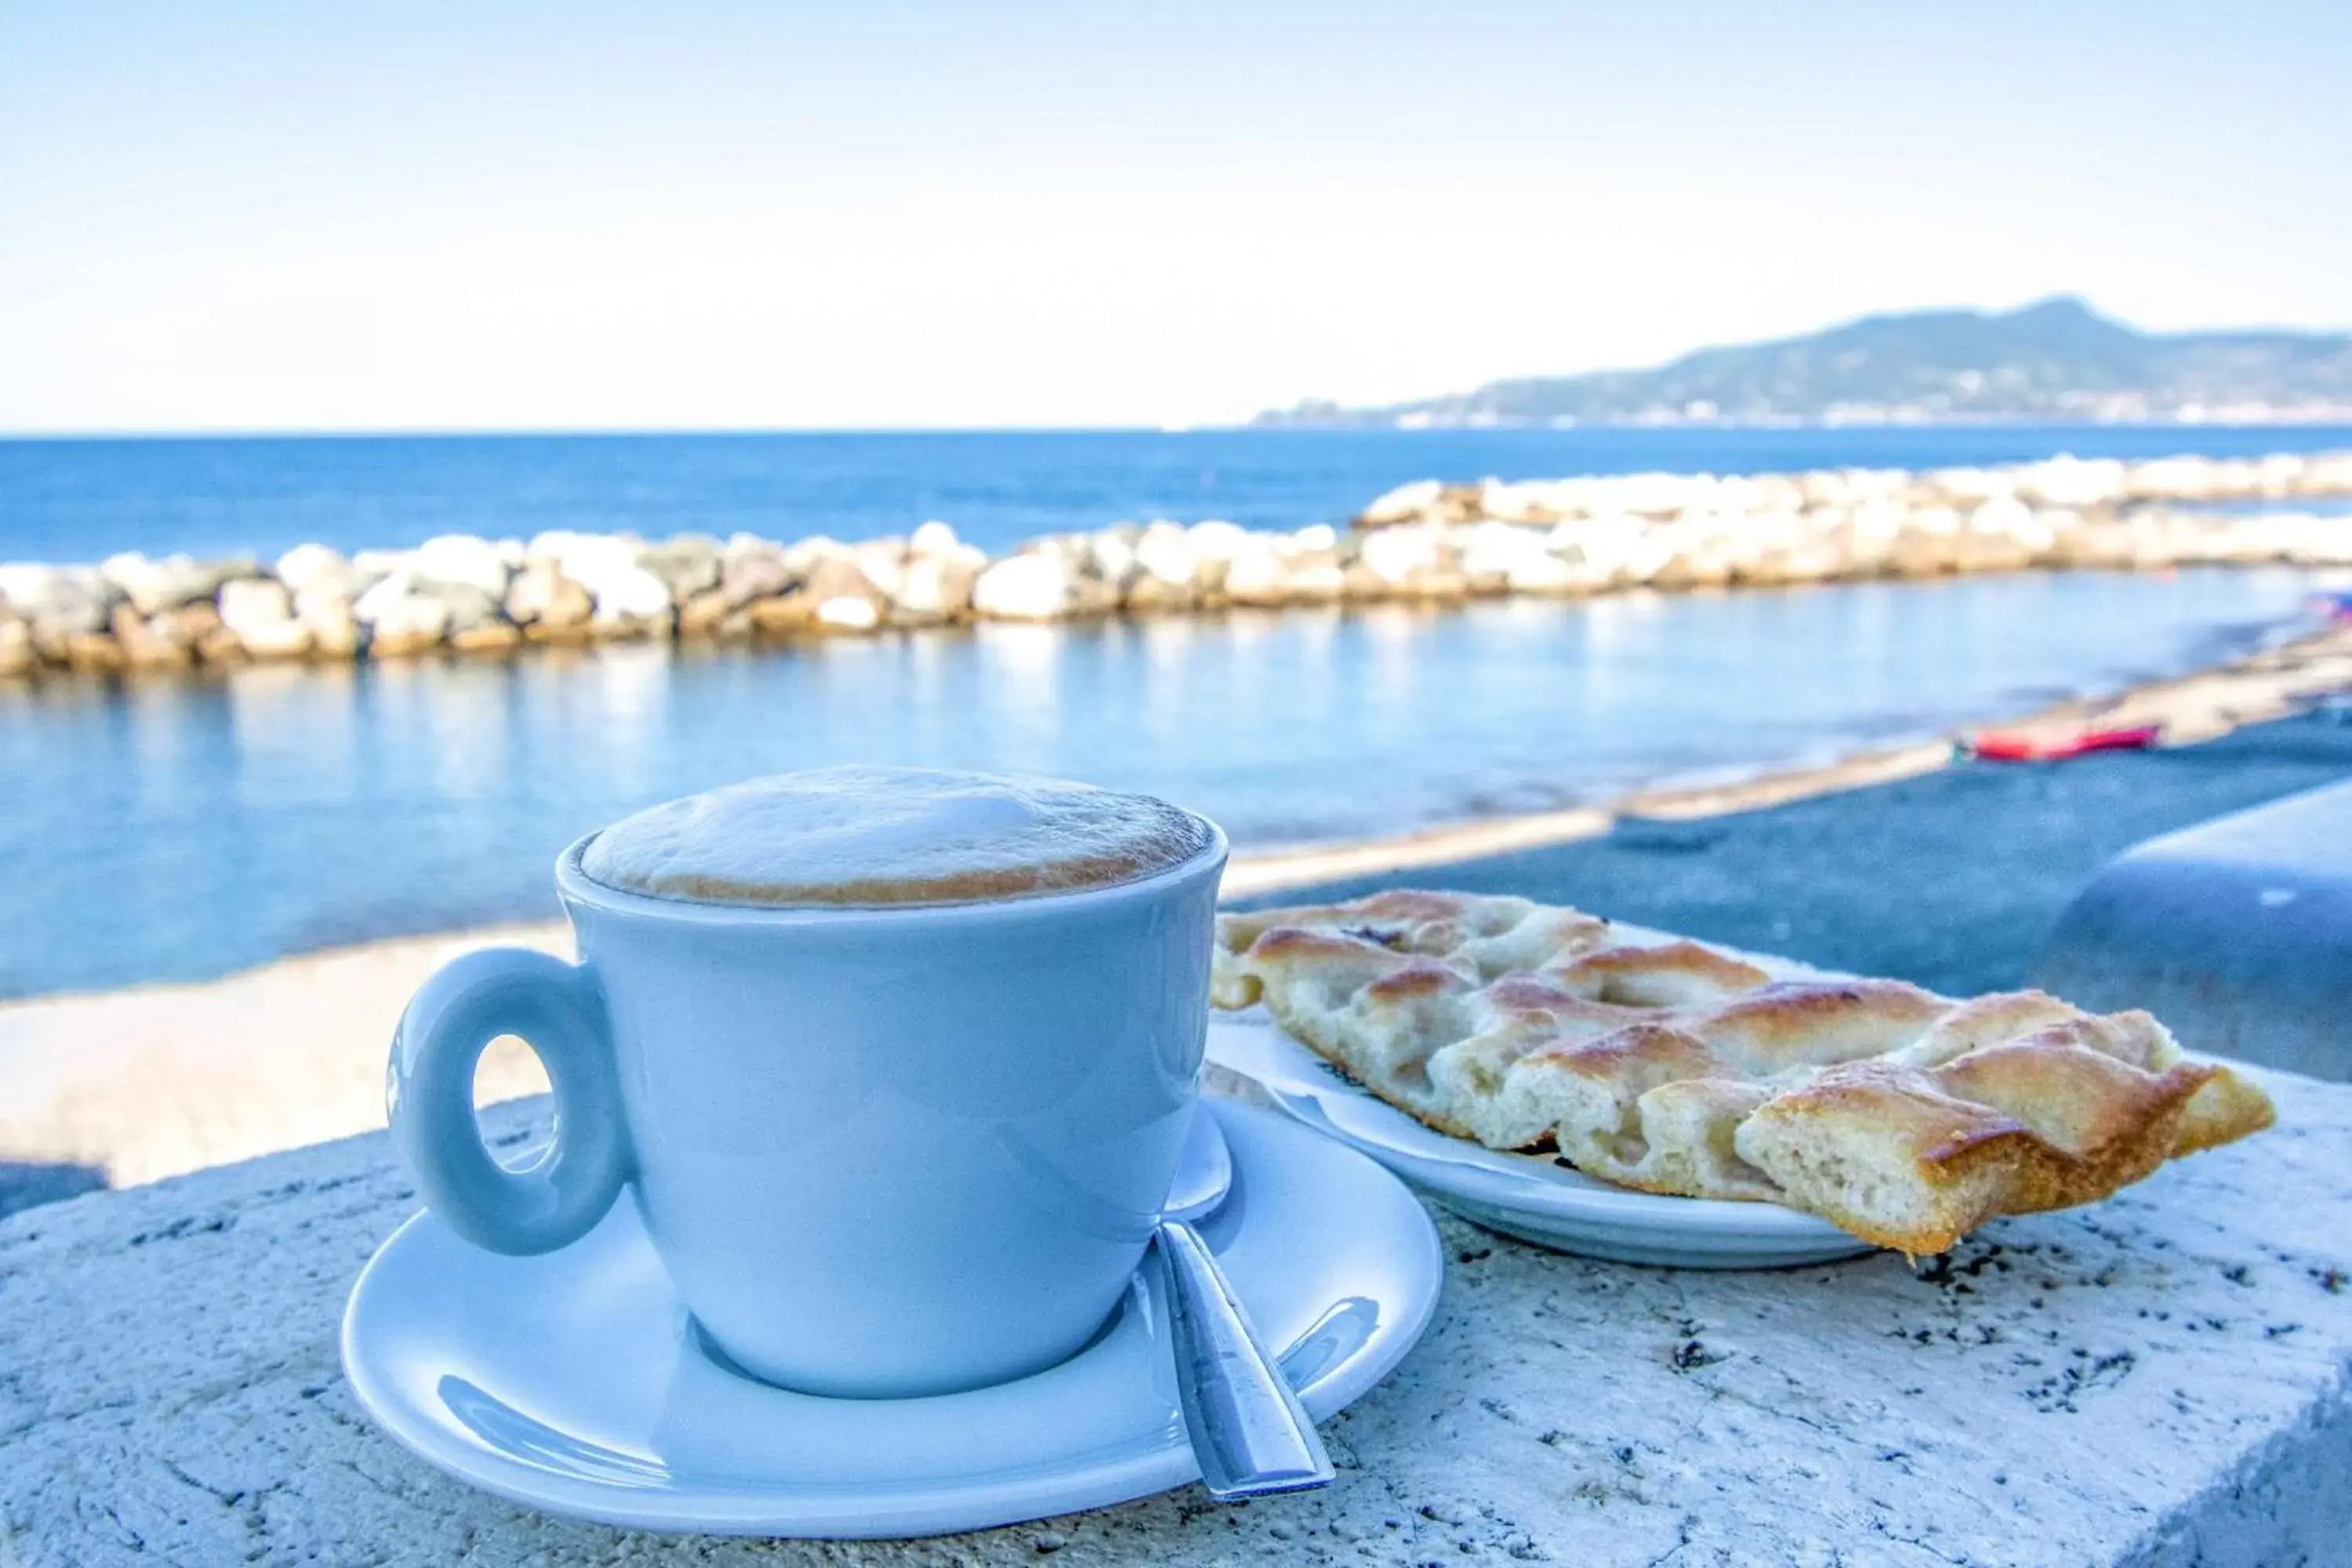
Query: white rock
933, 538
60, 600
1258, 576
130, 570
1403, 504
308, 563
1216, 540
1544, 573
1525, 502
803, 555
398, 613
1605, 533
1826, 487
1650, 494
2003, 515
1645, 557
1033, 586
289, 639
382, 563
1316, 583
2327, 473
255, 604
462, 558
1936, 519
1491, 551
23, 583
1110, 555
1394, 555
2173, 479
154, 587
381, 595
937, 586
1167, 555
848, 613
627, 595
884, 565
541, 594
607, 564
2072, 481
1968, 487
326, 616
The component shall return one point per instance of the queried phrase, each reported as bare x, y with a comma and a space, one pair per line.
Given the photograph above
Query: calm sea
83, 500
180, 828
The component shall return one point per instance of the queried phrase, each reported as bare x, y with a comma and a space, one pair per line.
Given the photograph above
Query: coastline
1427, 542
130, 1086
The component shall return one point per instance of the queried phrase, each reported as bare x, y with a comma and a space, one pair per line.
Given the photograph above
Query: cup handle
429, 1096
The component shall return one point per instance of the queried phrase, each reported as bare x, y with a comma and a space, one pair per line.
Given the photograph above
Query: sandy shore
132, 1086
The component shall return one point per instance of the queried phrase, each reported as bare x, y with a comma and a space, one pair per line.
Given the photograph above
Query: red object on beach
2029, 746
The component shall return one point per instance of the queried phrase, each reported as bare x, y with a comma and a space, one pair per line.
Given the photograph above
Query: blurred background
292, 291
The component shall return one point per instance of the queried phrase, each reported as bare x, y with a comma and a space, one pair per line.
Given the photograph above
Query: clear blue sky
442, 216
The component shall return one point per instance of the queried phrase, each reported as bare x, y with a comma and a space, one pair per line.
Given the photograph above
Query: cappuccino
875, 836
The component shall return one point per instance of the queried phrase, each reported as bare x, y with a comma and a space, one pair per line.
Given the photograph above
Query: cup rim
575, 886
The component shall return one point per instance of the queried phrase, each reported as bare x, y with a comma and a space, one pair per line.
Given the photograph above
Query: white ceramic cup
882, 1152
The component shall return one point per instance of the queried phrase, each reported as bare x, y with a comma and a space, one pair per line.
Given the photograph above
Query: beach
1913, 862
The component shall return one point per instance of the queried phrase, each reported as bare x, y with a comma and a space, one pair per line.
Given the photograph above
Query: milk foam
891, 836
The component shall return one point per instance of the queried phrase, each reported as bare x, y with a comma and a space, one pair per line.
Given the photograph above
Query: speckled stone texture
2165, 1379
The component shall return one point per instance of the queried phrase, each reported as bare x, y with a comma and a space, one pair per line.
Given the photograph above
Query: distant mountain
2055, 360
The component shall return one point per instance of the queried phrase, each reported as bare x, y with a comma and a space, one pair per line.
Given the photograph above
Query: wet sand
1916, 863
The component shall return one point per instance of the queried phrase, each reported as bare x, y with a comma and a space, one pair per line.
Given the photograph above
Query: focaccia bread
1907, 1118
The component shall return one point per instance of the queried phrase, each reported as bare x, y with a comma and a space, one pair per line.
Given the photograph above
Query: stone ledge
2164, 1379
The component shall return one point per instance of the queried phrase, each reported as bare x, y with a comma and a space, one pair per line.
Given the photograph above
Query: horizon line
1278, 428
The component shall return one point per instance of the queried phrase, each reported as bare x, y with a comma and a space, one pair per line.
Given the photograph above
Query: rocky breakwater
1428, 541
459, 593
1691, 531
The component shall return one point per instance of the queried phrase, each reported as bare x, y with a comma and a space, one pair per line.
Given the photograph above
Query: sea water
182, 826
77, 500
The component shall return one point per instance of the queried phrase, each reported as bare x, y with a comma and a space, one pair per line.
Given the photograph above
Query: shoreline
1428, 543
135, 1084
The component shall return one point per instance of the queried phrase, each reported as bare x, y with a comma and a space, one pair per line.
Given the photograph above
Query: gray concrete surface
2163, 1380
2237, 932
1952, 879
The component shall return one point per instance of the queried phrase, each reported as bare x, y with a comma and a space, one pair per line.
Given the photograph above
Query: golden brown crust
2228, 1108
1984, 1021
1647, 1054
1902, 1116
1679, 974
1819, 1023
1883, 1153
2080, 1101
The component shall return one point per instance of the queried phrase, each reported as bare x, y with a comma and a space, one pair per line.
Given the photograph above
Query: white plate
575, 1381
1532, 1196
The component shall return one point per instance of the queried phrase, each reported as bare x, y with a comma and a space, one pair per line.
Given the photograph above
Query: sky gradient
229, 217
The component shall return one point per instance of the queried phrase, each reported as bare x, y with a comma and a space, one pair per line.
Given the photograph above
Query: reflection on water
181, 827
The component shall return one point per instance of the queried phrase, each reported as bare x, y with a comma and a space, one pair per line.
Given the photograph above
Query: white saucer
576, 1384
1532, 1196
